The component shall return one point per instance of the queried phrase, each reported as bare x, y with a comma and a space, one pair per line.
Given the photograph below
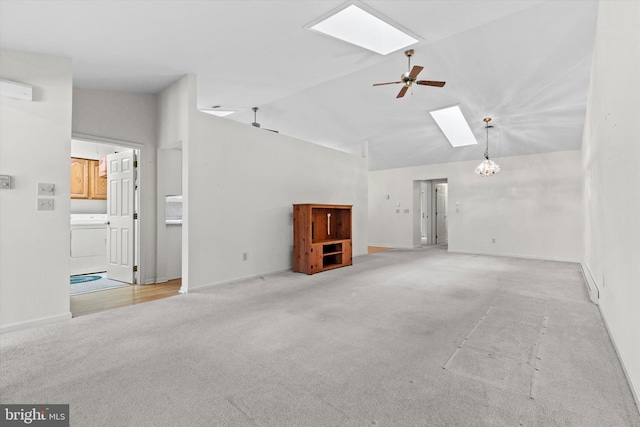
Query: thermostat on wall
5, 182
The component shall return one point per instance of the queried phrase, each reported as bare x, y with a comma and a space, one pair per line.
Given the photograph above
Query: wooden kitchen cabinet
79, 178
321, 237
97, 183
86, 182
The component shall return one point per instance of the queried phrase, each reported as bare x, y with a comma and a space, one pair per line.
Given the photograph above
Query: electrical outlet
45, 204
46, 189
245, 256
493, 240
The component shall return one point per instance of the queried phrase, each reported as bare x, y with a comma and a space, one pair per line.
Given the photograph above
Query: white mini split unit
16, 90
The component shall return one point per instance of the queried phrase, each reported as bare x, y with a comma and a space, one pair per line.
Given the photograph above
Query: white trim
140, 255
576, 261
227, 282
635, 390
110, 141
27, 324
380, 245
592, 287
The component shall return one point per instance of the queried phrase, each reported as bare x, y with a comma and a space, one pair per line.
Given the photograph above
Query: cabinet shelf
321, 237
331, 253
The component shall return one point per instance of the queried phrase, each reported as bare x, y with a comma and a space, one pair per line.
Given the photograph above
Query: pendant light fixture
487, 167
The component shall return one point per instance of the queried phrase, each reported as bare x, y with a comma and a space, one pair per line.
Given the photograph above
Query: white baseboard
392, 247
226, 282
592, 287
573, 260
34, 323
635, 391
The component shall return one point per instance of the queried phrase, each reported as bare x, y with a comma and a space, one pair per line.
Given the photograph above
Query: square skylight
362, 28
454, 126
219, 113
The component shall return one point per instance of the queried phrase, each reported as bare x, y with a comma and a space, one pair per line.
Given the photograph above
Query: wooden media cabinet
321, 237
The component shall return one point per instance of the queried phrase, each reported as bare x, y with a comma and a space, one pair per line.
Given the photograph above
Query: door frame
139, 248
425, 210
434, 192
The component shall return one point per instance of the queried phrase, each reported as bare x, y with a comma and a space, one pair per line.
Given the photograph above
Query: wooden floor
94, 302
374, 249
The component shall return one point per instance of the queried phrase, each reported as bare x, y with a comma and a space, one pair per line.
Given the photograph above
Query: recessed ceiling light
364, 28
219, 113
454, 126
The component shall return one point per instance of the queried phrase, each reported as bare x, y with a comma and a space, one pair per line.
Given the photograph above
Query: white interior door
425, 194
120, 216
441, 213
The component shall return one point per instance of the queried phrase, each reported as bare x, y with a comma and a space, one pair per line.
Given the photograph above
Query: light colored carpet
401, 338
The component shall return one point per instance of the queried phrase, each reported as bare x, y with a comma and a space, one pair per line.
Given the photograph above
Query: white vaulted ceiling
524, 63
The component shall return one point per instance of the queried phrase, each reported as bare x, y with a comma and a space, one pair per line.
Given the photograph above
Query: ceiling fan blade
388, 83
430, 83
402, 92
415, 71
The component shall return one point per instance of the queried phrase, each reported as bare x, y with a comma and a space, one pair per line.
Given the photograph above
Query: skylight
454, 126
219, 113
357, 26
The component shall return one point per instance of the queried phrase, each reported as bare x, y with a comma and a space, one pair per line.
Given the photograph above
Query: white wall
130, 118
169, 240
173, 252
611, 150
239, 186
532, 208
173, 108
34, 147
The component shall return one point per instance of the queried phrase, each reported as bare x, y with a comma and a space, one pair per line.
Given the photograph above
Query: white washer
88, 243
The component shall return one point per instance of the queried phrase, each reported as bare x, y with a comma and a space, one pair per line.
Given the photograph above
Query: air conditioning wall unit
16, 90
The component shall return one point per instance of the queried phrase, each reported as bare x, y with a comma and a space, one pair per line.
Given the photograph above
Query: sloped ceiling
526, 64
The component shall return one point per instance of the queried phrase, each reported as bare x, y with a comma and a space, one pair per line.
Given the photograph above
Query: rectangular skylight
357, 26
454, 126
219, 113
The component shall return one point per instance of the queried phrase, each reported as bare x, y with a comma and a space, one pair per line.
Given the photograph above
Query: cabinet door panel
315, 258
346, 253
98, 184
79, 178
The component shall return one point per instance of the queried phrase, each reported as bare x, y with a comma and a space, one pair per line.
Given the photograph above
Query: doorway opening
100, 242
432, 216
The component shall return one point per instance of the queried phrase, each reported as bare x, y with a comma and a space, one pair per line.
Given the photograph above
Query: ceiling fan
409, 78
255, 120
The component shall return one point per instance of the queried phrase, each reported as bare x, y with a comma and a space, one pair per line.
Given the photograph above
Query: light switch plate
46, 189
45, 204
5, 182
